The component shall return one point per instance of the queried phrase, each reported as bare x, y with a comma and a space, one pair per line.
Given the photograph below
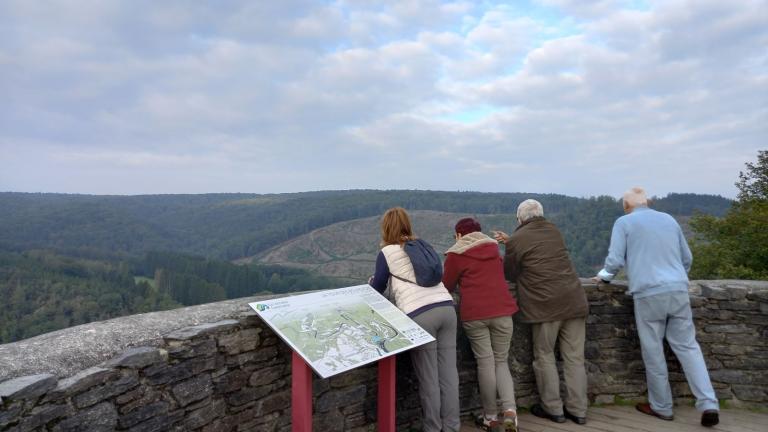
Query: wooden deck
627, 419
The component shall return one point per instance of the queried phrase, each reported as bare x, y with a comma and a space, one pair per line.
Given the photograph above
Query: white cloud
560, 96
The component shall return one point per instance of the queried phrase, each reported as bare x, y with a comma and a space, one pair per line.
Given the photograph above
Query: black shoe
710, 418
573, 418
539, 411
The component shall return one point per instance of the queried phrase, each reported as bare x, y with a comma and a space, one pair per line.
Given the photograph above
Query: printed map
338, 330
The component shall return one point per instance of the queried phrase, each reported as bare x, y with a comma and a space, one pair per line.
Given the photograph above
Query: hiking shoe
509, 419
487, 424
645, 408
710, 418
539, 411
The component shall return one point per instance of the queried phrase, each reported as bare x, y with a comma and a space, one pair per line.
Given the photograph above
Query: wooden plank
626, 419
729, 420
596, 423
688, 419
528, 418
749, 417
630, 418
650, 423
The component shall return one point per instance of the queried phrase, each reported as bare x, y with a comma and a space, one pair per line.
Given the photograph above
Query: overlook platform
615, 418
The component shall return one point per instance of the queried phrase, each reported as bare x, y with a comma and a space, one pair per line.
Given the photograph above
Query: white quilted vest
409, 296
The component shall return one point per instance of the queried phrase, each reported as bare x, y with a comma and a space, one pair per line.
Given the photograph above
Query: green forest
231, 226
735, 246
43, 291
71, 259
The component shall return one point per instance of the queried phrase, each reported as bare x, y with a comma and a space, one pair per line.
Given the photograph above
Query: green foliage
736, 245
753, 184
689, 204
587, 232
221, 226
732, 247
192, 280
72, 259
232, 226
43, 291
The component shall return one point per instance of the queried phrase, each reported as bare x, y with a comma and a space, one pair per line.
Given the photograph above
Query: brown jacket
537, 260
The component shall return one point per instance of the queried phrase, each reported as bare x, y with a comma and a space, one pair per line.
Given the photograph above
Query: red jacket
475, 265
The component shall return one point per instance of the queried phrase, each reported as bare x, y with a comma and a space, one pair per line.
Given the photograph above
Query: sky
581, 98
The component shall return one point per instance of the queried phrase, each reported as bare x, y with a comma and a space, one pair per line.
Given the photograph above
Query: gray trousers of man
490, 340
435, 367
669, 316
571, 335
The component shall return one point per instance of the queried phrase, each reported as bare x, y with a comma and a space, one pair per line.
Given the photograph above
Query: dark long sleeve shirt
381, 274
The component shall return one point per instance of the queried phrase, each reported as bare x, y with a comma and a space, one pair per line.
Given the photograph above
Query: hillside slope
232, 226
348, 249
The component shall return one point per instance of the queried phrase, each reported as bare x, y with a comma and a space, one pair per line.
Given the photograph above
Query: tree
753, 185
736, 246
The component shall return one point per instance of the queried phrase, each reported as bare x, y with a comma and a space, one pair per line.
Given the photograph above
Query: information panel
341, 329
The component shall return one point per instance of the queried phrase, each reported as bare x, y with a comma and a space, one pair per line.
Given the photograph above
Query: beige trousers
571, 334
490, 340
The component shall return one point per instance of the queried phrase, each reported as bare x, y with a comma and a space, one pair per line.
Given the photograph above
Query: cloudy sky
563, 96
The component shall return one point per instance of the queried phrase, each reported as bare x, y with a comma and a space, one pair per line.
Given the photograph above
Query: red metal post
386, 398
301, 395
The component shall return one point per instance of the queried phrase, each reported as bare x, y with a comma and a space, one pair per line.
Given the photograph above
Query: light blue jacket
652, 247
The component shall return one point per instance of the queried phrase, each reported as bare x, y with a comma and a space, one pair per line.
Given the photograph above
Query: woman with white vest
433, 309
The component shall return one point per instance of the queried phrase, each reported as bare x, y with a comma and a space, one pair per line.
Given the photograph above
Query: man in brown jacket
552, 300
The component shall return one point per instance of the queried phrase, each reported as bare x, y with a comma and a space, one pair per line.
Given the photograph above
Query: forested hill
70, 259
231, 226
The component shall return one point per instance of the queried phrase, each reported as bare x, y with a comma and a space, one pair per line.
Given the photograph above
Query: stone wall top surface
64, 352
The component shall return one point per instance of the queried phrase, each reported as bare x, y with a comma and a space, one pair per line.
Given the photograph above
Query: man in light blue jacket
651, 247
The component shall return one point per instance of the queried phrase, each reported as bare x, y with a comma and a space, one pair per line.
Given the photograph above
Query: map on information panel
341, 329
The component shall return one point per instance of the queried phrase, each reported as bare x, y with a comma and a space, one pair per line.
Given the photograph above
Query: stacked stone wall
233, 374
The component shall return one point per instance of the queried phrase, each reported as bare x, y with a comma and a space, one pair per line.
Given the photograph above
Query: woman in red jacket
486, 308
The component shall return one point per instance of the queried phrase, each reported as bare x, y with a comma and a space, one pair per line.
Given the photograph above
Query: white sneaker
509, 419
486, 424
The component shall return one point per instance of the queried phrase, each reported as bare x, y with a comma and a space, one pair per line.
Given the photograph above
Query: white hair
529, 208
635, 197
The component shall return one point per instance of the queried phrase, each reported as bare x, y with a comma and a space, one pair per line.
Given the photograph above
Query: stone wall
217, 367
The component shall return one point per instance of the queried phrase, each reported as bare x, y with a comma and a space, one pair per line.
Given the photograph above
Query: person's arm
511, 266
451, 272
685, 251
380, 276
617, 253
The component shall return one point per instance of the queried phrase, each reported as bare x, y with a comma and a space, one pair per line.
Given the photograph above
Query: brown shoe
645, 408
710, 418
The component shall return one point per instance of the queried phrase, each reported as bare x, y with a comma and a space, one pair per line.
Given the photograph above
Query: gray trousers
490, 340
571, 334
669, 315
435, 367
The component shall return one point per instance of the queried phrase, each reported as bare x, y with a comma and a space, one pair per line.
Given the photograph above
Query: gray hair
528, 209
635, 197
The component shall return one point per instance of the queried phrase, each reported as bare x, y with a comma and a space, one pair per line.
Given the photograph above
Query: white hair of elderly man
528, 209
635, 197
